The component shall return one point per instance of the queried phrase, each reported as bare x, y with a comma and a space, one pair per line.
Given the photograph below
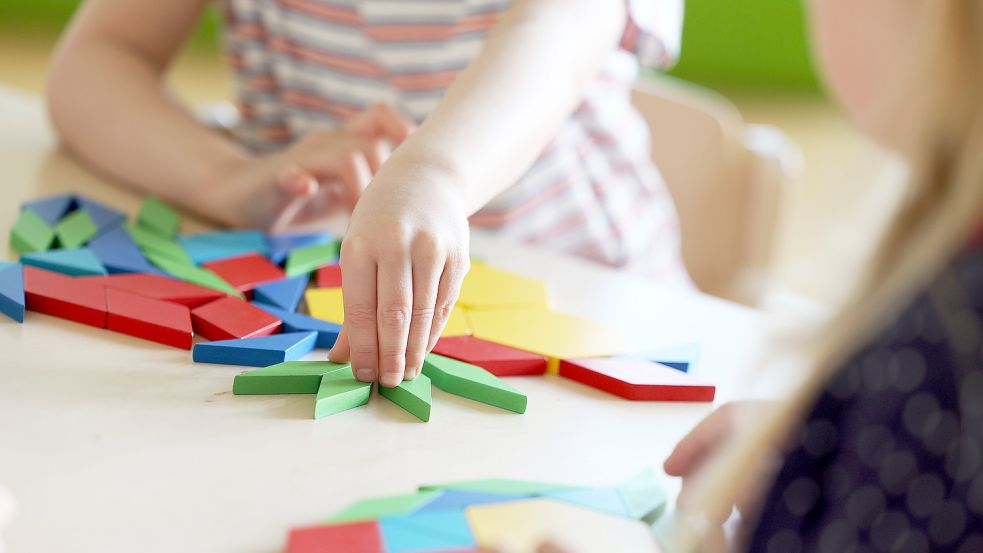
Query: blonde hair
944, 203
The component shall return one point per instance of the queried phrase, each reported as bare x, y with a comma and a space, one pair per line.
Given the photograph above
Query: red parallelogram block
637, 379
245, 272
495, 358
65, 297
160, 288
329, 276
231, 317
354, 537
150, 319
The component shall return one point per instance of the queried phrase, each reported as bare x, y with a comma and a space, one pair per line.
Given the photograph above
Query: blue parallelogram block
12, 290
74, 262
256, 352
102, 215
120, 254
430, 531
285, 293
327, 332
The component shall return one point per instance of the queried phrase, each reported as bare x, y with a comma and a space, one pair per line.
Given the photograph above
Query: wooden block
488, 288
644, 496
151, 243
329, 276
284, 294
328, 304
77, 262
428, 531
327, 333
308, 258
412, 395
209, 246
462, 379
12, 303
31, 233
228, 317
65, 297
158, 217
245, 272
75, 230
377, 507
683, 357
119, 253
150, 319
52, 208
256, 352
340, 391
525, 525
523, 488
162, 288
636, 379
103, 216
292, 377
495, 358
280, 245
352, 537
605, 500
459, 499
194, 275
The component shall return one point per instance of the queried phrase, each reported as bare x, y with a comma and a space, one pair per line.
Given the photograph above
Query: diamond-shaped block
637, 379
76, 229
209, 246
159, 218
256, 352
74, 299
327, 332
76, 262
462, 379
412, 395
306, 259
340, 391
155, 320
495, 358
245, 272
230, 317
117, 251
31, 233
292, 377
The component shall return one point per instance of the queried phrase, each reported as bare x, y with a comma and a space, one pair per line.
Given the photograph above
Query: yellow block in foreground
327, 304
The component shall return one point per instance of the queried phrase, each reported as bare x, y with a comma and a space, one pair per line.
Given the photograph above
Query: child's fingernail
390, 380
365, 375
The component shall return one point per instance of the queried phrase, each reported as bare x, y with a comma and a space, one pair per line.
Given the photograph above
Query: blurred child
525, 128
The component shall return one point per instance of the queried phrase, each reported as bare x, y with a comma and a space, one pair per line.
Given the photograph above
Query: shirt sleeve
654, 31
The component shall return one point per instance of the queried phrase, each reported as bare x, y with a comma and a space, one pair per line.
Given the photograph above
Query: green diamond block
466, 380
340, 391
31, 233
411, 395
151, 243
158, 217
193, 274
76, 229
309, 258
377, 507
292, 377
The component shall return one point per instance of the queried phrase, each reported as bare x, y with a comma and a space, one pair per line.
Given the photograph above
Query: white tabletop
110, 443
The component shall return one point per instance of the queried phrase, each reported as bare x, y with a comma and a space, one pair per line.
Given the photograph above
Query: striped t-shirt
307, 64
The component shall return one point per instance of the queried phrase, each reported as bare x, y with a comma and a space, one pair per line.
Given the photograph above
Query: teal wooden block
459, 499
306, 259
644, 496
31, 233
607, 500
340, 391
256, 352
77, 262
210, 246
428, 531
76, 229
470, 381
152, 243
12, 291
377, 507
158, 217
292, 377
412, 395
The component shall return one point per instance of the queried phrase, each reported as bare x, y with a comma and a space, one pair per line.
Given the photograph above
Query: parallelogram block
327, 332
256, 352
75, 230
119, 253
162, 288
229, 317
12, 303
292, 377
31, 233
158, 217
473, 382
637, 379
353, 537
340, 391
76, 262
495, 358
414, 396
245, 272
74, 299
155, 320
306, 259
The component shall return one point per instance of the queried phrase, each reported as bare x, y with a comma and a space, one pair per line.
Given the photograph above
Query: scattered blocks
488, 288
280, 245
229, 317
209, 246
152, 244
308, 258
428, 531
159, 218
329, 276
31, 233
459, 378
354, 537
284, 294
412, 395
103, 216
75, 230
69, 298
119, 253
637, 379
162, 288
384, 506
340, 391
495, 358
77, 262
256, 352
292, 377
12, 291
327, 333
150, 319
52, 208
246, 272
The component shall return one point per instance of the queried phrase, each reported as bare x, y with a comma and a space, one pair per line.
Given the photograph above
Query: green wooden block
527, 488
309, 258
193, 274
31, 233
412, 395
159, 218
644, 496
151, 243
369, 509
340, 391
76, 229
292, 377
466, 380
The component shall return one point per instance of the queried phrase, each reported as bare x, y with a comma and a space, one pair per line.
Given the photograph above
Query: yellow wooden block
327, 304
549, 333
488, 288
525, 525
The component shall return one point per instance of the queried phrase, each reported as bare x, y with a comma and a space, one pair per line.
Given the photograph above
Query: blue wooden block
459, 499
282, 244
51, 209
607, 500
120, 254
209, 246
102, 215
256, 352
74, 262
284, 294
327, 332
683, 357
12, 291
430, 531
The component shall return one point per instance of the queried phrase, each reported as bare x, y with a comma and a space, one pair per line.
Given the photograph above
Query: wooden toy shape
159, 218
245, 272
12, 291
77, 262
69, 298
465, 380
340, 391
353, 537
637, 379
209, 246
256, 352
524, 488
376, 507
162, 288
328, 304
193, 274
52, 208
102, 215
284, 294
329, 276
76, 229
152, 243
150, 319
292, 377
31, 233
607, 500
644, 496
308, 258
412, 395
427, 531
487, 288
119, 253
229, 317
327, 333
495, 358
280, 245
458, 499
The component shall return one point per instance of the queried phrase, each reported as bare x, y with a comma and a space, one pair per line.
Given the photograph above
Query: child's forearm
502, 110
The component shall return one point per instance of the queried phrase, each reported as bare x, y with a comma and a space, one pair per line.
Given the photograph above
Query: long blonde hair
944, 203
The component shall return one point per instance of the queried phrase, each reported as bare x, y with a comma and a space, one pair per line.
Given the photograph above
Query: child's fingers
427, 269
447, 292
395, 305
358, 285
694, 447
340, 352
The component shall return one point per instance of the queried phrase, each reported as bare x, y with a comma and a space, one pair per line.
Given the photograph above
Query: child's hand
403, 260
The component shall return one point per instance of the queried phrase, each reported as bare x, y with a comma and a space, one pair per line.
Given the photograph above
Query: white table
114, 444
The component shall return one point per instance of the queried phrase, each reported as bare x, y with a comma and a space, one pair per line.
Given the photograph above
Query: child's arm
406, 250
108, 101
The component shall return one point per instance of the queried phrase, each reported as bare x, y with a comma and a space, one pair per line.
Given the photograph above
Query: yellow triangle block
488, 288
525, 525
327, 304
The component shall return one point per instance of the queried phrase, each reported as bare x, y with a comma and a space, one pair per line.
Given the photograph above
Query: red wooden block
230, 317
495, 358
329, 276
69, 298
245, 272
355, 537
150, 319
160, 288
637, 379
